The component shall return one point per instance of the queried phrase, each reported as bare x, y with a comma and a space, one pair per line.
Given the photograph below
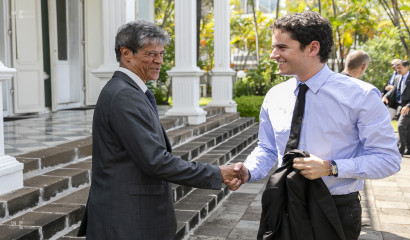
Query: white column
185, 75
222, 73
11, 171
114, 15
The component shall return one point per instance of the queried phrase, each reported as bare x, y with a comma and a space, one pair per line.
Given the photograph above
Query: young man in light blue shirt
345, 128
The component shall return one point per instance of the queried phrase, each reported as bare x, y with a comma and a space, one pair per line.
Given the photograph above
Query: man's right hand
385, 100
389, 87
242, 171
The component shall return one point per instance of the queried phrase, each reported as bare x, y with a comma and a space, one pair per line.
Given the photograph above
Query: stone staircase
57, 179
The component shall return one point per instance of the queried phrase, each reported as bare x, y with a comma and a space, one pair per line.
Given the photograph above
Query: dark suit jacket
132, 165
384, 91
295, 208
405, 96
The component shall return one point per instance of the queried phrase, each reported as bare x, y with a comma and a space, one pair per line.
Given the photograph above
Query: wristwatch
333, 168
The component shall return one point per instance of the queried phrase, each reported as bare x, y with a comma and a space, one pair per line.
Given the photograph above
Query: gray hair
136, 34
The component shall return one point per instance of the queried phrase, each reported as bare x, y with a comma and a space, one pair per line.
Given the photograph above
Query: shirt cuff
346, 168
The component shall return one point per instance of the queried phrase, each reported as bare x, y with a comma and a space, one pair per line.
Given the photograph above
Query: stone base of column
11, 174
230, 106
185, 95
195, 116
222, 88
105, 72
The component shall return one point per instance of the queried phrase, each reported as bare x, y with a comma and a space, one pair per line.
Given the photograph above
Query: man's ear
126, 53
314, 48
364, 66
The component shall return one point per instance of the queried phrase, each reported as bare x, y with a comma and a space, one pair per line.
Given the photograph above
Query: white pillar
114, 15
222, 73
185, 75
11, 171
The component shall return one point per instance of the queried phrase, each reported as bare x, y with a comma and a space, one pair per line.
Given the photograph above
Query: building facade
63, 53
55, 46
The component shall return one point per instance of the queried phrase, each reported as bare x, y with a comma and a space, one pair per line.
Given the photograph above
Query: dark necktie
293, 141
151, 98
398, 93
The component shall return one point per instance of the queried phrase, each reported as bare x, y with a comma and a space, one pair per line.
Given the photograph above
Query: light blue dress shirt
344, 120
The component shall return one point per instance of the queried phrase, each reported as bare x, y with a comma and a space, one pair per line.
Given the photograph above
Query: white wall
94, 52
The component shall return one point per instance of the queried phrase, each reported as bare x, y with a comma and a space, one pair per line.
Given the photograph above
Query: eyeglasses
154, 54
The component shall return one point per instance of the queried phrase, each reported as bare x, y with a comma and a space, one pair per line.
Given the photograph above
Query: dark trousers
403, 127
350, 213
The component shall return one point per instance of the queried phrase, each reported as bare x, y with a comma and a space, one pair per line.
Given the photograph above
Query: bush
249, 106
258, 81
382, 49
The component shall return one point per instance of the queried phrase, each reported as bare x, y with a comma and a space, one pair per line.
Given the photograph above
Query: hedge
249, 106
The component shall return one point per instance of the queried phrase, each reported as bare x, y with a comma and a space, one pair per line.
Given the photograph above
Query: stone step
191, 210
220, 155
77, 175
44, 222
184, 134
41, 161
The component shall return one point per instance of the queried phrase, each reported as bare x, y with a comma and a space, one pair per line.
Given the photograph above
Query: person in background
399, 96
345, 127
389, 84
356, 64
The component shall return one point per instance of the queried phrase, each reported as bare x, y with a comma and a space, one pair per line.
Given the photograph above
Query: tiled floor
49, 129
45, 130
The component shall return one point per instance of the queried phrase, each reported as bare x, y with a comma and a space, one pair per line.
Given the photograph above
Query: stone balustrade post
11, 171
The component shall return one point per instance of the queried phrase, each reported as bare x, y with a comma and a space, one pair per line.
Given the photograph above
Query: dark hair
405, 63
136, 34
306, 27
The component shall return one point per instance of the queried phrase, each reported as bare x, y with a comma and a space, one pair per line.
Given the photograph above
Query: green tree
379, 69
244, 37
258, 81
165, 18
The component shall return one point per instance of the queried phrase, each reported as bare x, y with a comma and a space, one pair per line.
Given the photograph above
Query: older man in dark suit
132, 167
389, 84
400, 95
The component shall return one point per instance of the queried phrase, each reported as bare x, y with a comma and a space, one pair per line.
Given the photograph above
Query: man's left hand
405, 110
311, 167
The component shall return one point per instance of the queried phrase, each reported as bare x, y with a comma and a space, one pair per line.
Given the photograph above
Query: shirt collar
405, 75
316, 82
134, 77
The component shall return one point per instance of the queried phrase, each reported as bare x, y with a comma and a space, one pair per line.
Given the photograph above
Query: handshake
234, 175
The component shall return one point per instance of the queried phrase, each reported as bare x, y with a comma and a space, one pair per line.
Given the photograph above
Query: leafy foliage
259, 81
382, 49
357, 24
249, 106
164, 13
